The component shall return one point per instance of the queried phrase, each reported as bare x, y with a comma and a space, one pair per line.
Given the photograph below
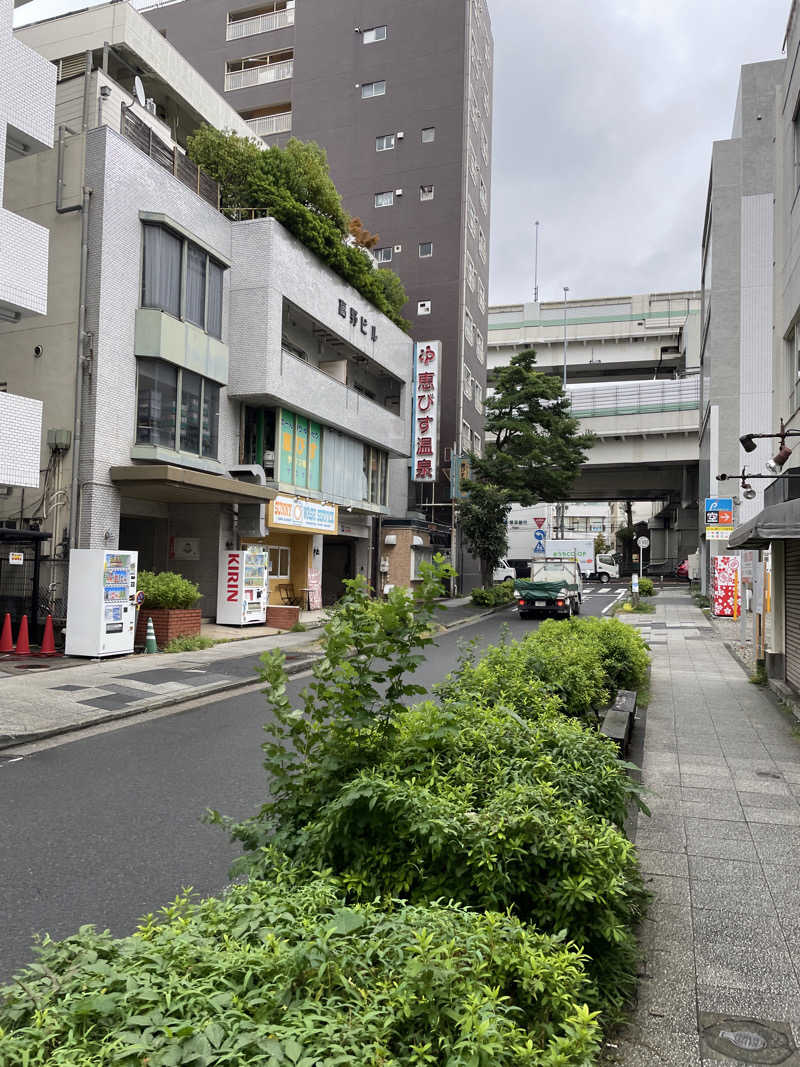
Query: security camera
38, 351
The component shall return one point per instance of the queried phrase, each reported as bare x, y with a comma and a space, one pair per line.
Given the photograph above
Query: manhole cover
748, 1040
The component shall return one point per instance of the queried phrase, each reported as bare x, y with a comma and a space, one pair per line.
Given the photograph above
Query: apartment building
400, 96
231, 388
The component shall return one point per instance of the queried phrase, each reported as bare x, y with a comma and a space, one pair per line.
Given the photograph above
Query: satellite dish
138, 90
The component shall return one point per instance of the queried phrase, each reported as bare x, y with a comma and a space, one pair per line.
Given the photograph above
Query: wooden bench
618, 720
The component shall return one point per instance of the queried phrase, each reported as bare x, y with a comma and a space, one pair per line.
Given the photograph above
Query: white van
502, 571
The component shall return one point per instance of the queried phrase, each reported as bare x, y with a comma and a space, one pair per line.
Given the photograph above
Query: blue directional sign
539, 535
538, 548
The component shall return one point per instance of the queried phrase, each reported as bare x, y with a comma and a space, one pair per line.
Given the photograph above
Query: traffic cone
150, 639
48, 643
6, 642
23, 648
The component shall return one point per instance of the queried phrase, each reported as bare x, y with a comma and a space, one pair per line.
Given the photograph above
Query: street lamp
748, 443
564, 383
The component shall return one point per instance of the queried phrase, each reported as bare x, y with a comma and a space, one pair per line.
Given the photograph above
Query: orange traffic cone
23, 648
6, 642
48, 642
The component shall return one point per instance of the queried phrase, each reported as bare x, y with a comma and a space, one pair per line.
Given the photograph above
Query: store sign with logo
425, 430
719, 518
287, 512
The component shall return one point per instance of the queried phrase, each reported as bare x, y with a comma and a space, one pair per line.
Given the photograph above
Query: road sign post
643, 543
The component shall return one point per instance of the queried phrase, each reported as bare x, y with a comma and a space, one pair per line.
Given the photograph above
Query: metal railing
268, 72
264, 125
273, 20
169, 157
633, 398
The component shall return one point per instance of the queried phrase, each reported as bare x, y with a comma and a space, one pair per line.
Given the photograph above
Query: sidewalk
721, 942
42, 698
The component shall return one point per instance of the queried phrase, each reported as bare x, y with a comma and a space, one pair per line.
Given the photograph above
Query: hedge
495, 595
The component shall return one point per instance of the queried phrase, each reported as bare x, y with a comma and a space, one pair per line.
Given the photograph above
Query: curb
12, 740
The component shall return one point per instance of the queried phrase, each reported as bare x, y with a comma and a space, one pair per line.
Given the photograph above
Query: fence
169, 157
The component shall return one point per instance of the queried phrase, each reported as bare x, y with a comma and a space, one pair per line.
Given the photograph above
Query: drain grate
767, 774
752, 1041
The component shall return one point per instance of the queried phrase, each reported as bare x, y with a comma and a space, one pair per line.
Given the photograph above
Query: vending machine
101, 604
243, 589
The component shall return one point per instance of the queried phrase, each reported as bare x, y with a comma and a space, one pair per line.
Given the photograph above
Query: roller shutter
792, 601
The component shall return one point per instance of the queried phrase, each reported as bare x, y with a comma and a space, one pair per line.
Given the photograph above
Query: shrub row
494, 595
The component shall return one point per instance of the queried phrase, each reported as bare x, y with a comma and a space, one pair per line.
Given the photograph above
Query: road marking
616, 600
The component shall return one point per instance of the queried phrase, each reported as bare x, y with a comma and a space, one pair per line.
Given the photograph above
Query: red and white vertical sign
726, 587
425, 430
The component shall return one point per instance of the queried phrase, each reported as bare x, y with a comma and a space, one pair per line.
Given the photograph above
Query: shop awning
781, 522
170, 485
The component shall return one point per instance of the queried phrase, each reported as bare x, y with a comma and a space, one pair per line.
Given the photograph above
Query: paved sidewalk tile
720, 946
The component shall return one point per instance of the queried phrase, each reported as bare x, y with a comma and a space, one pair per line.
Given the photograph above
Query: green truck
555, 587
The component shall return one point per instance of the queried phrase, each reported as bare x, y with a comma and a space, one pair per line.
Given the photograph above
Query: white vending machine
243, 589
101, 605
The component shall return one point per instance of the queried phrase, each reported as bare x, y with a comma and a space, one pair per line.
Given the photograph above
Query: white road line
616, 600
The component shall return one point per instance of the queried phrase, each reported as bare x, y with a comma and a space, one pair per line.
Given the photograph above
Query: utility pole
536, 265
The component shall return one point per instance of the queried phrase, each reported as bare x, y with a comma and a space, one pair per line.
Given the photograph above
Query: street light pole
536, 265
566, 290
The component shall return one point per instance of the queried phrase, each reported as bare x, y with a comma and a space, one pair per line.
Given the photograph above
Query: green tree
483, 514
601, 545
534, 448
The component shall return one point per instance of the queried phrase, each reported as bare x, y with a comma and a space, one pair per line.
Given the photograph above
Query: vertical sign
300, 451
425, 429
726, 595
287, 447
719, 518
314, 455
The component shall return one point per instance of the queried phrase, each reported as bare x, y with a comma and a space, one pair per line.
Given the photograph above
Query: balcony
259, 74
265, 125
634, 398
169, 157
263, 23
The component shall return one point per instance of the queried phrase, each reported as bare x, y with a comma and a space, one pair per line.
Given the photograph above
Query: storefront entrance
337, 565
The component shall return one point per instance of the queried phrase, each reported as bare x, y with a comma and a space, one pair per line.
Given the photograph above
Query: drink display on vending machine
243, 589
101, 603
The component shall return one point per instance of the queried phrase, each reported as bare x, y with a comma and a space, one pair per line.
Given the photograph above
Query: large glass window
280, 562
376, 465
157, 403
177, 409
196, 285
161, 276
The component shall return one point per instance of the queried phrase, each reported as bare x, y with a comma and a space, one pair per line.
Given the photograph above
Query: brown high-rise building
400, 96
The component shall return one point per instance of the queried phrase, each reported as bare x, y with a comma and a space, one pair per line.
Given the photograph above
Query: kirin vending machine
243, 589
101, 605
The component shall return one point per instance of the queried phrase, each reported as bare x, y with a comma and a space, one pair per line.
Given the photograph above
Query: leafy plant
494, 595
482, 516
167, 590
298, 628
188, 643
647, 587
287, 973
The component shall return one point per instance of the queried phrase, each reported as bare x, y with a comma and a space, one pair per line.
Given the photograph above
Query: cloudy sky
604, 115
605, 111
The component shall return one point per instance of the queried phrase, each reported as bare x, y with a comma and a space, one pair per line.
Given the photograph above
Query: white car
503, 571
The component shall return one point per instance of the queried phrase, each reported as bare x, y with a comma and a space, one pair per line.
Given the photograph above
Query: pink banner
726, 586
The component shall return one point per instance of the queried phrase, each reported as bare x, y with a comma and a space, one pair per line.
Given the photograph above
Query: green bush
494, 595
167, 590
188, 643
287, 973
623, 652
647, 587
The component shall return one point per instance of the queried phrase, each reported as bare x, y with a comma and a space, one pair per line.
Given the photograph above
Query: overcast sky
604, 116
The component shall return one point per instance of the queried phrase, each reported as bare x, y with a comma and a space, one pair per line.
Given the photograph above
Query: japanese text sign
719, 517
425, 429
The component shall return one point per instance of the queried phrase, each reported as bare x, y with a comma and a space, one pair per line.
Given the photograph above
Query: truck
555, 587
603, 565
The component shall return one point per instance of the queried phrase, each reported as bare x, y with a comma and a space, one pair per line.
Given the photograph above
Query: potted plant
169, 600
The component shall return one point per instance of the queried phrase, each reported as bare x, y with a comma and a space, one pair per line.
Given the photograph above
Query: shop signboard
314, 589
719, 518
184, 548
287, 447
300, 451
425, 428
726, 599
300, 444
294, 513
314, 456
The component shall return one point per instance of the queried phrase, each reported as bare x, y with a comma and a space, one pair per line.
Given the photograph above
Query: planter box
282, 616
168, 623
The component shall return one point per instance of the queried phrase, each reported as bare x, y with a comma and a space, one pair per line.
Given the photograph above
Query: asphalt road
106, 827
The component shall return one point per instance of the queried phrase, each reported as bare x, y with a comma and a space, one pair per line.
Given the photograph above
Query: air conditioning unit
400, 135
399, 248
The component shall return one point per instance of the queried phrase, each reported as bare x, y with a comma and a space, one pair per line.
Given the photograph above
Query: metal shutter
791, 589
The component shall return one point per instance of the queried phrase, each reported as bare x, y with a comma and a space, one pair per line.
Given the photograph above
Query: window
425, 249
477, 444
383, 255
190, 426
280, 562
426, 192
470, 273
469, 327
477, 390
369, 89
161, 272
481, 295
424, 307
482, 244
479, 349
384, 199
377, 33
794, 368
428, 134
180, 278
375, 483
384, 143
466, 437
467, 383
